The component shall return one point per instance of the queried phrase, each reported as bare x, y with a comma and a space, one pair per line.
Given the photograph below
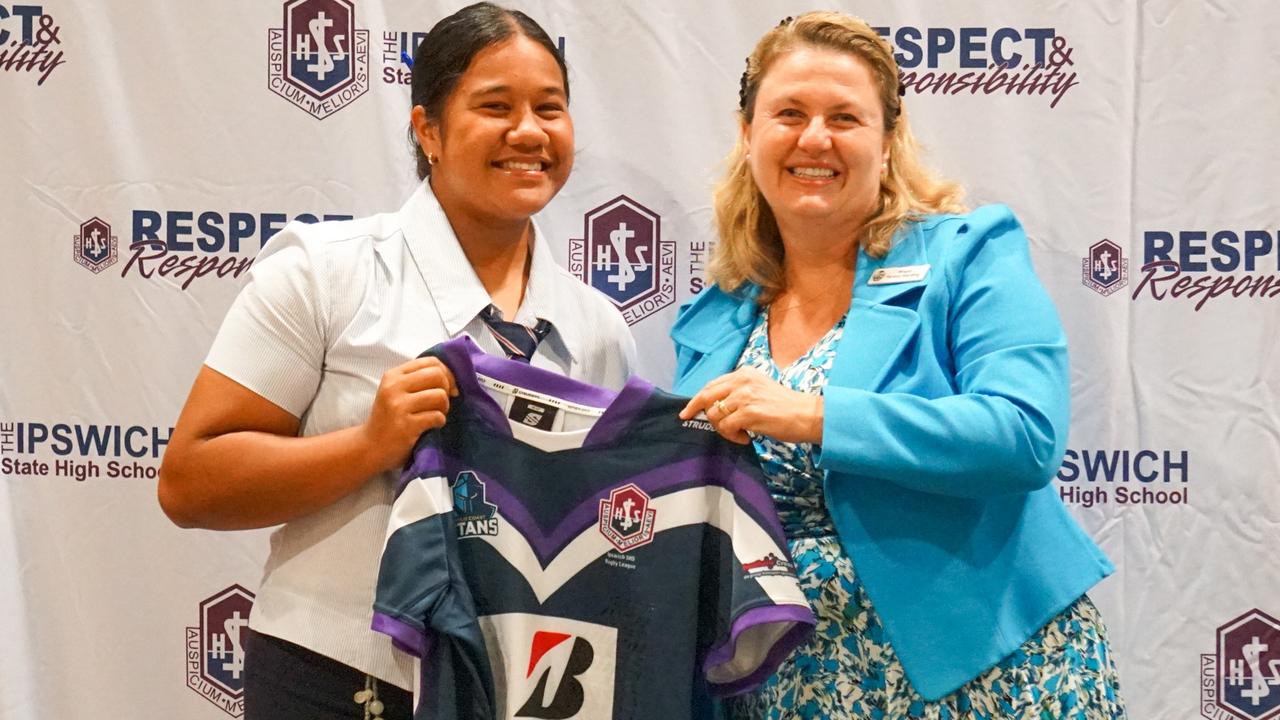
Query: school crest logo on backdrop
1105, 269
1241, 679
319, 60
622, 254
215, 649
95, 247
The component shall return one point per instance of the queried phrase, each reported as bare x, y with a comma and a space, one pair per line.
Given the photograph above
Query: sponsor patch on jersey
626, 520
767, 566
551, 667
534, 414
473, 514
699, 423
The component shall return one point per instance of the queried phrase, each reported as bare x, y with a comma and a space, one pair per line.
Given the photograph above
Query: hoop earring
431, 159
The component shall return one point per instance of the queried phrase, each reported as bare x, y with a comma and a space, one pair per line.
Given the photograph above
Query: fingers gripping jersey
559, 551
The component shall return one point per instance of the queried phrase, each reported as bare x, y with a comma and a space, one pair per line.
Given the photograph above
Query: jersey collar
465, 359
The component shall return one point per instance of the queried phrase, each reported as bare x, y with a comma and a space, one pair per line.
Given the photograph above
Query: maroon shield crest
1249, 666
95, 246
1105, 269
318, 35
623, 255
319, 60
626, 519
215, 649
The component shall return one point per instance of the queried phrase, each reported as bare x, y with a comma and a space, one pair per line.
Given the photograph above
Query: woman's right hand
412, 399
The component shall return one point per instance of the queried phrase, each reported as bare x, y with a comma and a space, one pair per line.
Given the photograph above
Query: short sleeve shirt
328, 309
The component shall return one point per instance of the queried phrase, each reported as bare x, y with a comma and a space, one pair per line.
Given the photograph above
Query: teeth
813, 172
514, 165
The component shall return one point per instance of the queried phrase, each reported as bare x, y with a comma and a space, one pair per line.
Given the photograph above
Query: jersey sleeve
414, 574
761, 612
272, 340
422, 601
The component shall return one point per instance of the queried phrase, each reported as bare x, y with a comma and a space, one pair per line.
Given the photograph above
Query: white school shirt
330, 307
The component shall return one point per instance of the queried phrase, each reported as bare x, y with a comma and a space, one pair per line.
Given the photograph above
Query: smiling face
504, 142
816, 140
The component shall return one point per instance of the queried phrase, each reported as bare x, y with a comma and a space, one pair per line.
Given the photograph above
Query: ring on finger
719, 405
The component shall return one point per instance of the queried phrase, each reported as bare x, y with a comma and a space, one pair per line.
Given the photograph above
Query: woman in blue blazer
903, 377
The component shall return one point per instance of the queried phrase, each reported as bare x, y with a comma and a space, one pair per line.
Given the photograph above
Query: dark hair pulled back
448, 49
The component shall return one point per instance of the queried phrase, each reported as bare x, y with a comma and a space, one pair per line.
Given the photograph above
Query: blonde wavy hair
750, 247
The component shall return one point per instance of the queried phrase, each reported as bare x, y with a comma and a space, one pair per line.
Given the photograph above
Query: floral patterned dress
848, 669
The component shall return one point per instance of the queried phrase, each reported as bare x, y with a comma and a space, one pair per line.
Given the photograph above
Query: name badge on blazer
900, 274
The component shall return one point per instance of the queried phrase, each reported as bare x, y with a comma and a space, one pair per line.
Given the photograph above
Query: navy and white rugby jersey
557, 550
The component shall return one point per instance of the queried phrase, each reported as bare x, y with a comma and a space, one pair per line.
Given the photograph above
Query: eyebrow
792, 100
500, 89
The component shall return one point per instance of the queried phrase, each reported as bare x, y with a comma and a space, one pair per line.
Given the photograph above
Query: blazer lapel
874, 336
877, 331
717, 329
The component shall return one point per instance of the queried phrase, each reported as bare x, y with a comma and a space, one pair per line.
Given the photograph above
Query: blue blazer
946, 415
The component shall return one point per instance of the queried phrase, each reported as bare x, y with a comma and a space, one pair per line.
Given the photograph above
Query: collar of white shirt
457, 290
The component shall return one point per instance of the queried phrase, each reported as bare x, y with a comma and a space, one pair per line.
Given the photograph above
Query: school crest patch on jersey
626, 519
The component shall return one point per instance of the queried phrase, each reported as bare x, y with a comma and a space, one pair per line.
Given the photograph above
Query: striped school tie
518, 341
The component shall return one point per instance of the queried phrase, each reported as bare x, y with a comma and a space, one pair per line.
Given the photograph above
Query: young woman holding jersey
310, 399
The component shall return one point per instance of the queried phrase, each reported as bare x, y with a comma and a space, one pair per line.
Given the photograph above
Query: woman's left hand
748, 400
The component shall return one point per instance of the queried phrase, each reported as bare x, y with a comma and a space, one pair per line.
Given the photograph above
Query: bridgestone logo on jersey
551, 668
558, 694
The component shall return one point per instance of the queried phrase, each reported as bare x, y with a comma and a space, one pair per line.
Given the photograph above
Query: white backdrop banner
148, 149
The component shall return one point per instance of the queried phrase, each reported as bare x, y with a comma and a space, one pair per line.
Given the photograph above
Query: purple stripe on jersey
403, 635
465, 358
714, 471
538, 380
802, 622
457, 354
427, 461
621, 412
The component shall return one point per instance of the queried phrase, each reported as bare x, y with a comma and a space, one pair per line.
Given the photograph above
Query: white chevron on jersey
715, 506
422, 498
